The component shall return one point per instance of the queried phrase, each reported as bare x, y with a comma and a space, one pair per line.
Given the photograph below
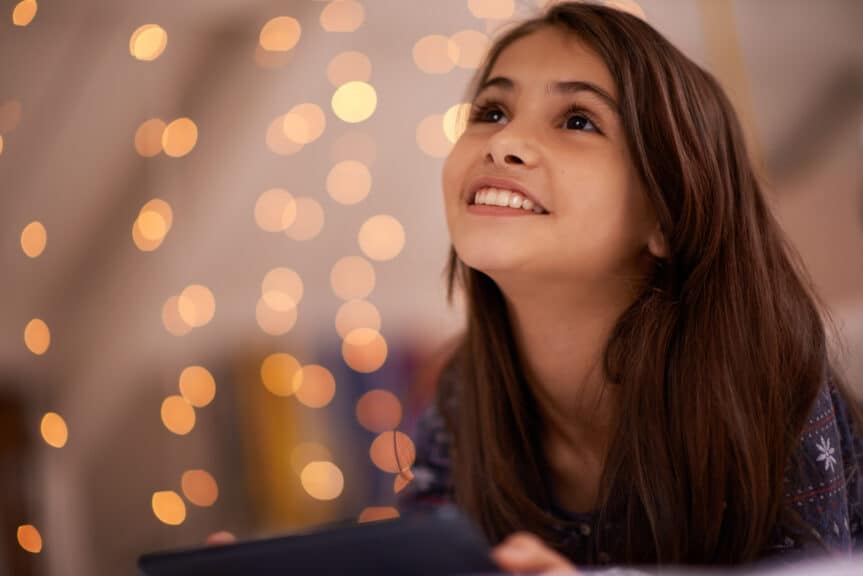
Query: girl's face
545, 128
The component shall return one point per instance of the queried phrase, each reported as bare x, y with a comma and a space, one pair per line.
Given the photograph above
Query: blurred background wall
223, 243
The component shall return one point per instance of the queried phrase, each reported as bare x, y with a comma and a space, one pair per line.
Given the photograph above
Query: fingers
220, 538
524, 552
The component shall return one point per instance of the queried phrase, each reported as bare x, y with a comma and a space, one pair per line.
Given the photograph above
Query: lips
500, 184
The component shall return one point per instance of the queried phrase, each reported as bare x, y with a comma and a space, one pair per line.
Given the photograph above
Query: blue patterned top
825, 489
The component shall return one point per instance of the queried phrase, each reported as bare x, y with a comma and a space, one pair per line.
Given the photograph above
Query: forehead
552, 55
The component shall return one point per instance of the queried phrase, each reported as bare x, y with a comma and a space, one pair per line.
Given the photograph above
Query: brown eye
487, 114
580, 122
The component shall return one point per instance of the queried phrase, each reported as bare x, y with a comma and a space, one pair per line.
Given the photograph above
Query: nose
511, 148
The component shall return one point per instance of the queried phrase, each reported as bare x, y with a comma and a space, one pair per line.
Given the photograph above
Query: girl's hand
524, 552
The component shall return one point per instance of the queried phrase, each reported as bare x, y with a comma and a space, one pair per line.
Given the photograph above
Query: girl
644, 377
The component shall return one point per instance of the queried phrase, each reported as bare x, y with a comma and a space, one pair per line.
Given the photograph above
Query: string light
377, 513
178, 416
354, 101
199, 487
322, 480
309, 221
349, 182
24, 12
435, 54
472, 48
357, 314
392, 451
275, 210
455, 121
197, 386
54, 430
148, 137
352, 277
196, 305
381, 237
29, 538
492, 9
34, 237
148, 42
37, 336
431, 137
277, 373
378, 411
171, 319
280, 34
349, 66
342, 16
168, 507
179, 137
364, 350
314, 386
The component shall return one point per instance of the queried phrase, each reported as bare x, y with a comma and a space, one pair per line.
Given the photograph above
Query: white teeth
506, 198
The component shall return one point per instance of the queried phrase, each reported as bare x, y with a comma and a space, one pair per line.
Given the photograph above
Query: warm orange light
24, 12
275, 322
37, 336
277, 141
455, 121
364, 350
277, 373
152, 225
377, 513
492, 9
171, 319
1, 144
168, 507
472, 48
178, 416
148, 42
431, 137
282, 289
306, 452
280, 34
304, 123
29, 538
349, 66
379, 411
275, 210
196, 305
435, 54
199, 487
309, 220
179, 137
354, 102
314, 385
381, 237
54, 430
322, 480
34, 237
342, 16
148, 137
197, 386
357, 314
352, 277
402, 480
349, 182
393, 452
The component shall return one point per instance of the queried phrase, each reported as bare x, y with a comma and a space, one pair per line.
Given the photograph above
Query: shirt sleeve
823, 484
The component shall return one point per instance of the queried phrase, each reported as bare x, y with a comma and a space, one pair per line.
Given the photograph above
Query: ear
657, 244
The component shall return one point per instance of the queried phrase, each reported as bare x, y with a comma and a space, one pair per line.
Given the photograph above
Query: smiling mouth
503, 198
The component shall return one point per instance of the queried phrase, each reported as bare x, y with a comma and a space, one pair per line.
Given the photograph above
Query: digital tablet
439, 541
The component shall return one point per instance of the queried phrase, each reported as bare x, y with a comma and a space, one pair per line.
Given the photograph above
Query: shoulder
823, 484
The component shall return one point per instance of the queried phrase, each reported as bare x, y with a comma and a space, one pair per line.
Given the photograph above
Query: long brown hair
717, 362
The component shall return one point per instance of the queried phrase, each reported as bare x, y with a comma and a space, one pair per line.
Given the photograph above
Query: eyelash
479, 111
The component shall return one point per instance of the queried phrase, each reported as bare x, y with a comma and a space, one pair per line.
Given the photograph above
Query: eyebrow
567, 87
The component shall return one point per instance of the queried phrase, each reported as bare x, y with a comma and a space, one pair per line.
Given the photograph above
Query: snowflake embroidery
826, 453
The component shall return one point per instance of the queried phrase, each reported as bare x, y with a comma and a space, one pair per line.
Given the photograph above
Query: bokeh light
179, 137
435, 54
322, 480
169, 507
280, 34
455, 121
348, 67
29, 538
377, 513
24, 12
37, 336
402, 480
171, 319
1, 144
304, 123
352, 277
197, 386
472, 47
309, 221
306, 452
274, 322
349, 182
364, 350
393, 451
178, 416
54, 430
355, 101
357, 146
355, 314
148, 137
431, 137
33, 239
275, 210
199, 487
277, 140
152, 225
282, 289
314, 386
148, 42
196, 305
381, 237
342, 16
492, 9
277, 373
378, 411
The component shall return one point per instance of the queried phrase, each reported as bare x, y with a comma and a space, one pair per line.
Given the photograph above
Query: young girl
644, 377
